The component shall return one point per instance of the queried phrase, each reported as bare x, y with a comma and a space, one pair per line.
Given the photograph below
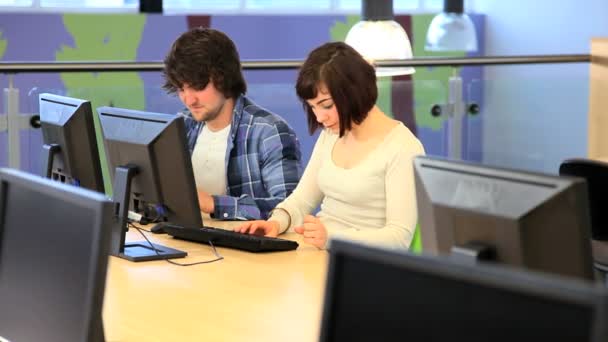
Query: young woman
360, 171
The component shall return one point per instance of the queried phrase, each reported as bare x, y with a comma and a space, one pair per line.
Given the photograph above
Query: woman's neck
369, 126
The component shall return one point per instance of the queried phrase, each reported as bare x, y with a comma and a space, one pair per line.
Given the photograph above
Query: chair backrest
596, 174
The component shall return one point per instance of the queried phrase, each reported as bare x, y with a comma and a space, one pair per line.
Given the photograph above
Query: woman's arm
307, 195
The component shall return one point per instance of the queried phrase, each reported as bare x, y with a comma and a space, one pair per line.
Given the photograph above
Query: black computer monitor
69, 153
381, 295
54, 244
519, 218
151, 167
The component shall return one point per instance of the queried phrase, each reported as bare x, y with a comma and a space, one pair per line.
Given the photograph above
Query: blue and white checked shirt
263, 161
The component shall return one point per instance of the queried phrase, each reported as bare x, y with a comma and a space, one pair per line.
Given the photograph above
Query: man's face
205, 104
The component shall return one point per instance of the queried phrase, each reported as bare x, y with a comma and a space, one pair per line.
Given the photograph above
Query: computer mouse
157, 229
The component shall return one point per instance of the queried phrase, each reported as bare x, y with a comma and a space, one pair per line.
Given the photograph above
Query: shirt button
225, 214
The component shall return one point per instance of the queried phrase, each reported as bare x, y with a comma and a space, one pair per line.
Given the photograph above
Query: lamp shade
379, 37
451, 30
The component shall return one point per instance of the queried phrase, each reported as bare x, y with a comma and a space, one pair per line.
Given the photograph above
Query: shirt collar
237, 113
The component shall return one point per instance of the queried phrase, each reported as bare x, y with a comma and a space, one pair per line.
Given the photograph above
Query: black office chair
596, 174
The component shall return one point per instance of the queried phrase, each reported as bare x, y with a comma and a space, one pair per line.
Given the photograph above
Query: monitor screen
519, 218
70, 152
152, 175
53, 263
155, 144
380, 295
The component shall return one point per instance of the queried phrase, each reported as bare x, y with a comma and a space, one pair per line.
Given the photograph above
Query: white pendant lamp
377, 36
451, 30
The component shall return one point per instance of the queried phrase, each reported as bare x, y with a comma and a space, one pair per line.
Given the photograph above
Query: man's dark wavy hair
203, 55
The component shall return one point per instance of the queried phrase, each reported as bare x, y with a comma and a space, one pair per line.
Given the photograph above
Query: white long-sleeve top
373, 202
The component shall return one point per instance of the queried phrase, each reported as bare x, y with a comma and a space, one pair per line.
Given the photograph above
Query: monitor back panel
53, 257
375, 295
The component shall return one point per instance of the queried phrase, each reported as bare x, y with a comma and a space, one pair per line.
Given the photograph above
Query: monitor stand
48, 154
140, 250
98, 333
599, 249
473, 252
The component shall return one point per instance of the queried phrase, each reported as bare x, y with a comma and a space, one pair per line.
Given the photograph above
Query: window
88, 3
285, 7
207, 6
15, 3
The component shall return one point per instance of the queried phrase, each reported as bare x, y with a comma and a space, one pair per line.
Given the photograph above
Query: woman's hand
259, 227
313, 231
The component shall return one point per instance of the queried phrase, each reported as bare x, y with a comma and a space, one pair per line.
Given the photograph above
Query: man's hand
205, 201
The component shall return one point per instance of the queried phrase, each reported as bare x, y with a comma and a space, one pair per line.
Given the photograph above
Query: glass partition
532, 123
525, 123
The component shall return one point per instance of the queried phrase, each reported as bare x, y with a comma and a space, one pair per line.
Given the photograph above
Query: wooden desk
245, 297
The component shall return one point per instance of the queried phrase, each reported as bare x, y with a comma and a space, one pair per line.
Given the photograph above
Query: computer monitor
380, 295
151, 167
519, 218
69, 153
54, 244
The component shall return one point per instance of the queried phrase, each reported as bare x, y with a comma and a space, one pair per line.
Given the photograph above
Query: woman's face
325, 110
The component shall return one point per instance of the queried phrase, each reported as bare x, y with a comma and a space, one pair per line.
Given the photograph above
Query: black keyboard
230, 239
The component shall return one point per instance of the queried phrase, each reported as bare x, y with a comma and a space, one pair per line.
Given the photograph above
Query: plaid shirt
263, 162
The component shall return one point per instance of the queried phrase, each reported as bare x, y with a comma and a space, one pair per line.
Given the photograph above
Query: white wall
536, 115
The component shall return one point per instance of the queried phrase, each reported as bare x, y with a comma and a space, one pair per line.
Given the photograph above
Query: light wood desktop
245, 297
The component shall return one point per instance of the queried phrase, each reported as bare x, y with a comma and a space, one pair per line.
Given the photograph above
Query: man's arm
280, 159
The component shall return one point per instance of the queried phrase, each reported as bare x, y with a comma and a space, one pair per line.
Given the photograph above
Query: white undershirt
209, 160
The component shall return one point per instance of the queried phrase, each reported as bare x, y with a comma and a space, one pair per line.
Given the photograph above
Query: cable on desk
217, 255
137, 227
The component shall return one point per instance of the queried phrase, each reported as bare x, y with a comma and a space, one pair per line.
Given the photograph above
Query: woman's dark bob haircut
350, 80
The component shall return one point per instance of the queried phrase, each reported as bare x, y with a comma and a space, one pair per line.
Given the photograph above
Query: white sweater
373, 202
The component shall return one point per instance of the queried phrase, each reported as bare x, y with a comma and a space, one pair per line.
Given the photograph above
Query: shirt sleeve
307, 196
281, 169
401, 209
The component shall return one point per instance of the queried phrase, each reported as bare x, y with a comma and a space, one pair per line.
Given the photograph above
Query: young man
245, 159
